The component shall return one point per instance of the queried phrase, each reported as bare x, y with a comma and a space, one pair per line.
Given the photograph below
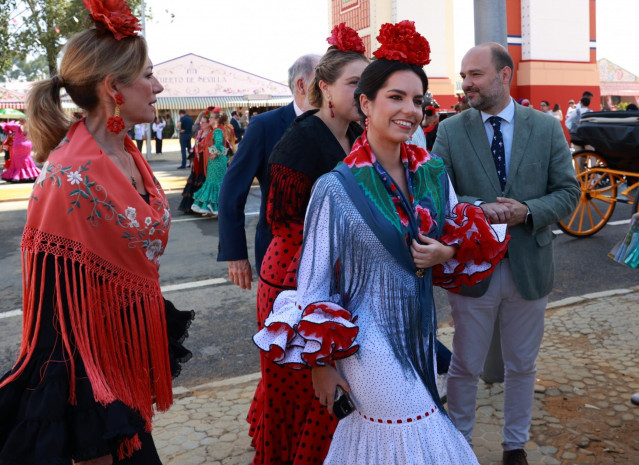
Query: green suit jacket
540, 175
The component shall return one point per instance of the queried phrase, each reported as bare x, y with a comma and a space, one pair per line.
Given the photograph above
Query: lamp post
491, 26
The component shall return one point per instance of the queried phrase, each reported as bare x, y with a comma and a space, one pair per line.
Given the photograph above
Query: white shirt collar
298, 110
507, 113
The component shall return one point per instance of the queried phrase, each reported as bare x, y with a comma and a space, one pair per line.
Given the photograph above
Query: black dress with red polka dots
288, 425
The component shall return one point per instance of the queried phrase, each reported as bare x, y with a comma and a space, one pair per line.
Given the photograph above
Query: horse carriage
608, 174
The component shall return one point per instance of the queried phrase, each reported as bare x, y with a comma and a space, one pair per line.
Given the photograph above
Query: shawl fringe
293, 190
112, 318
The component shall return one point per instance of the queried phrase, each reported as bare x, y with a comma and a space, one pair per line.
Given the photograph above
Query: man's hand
497, 213
518, 210
240, 273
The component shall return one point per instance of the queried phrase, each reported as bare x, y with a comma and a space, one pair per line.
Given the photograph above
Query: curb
181, 391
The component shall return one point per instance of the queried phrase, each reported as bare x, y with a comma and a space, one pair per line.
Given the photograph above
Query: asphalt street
221, 334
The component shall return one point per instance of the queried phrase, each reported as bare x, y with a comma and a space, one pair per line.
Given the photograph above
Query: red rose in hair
401, 42
346, 39
115, 15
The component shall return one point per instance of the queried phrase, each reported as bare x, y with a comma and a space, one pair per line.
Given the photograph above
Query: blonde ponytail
46, 121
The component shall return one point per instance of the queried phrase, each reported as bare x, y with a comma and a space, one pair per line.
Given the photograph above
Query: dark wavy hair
376, 75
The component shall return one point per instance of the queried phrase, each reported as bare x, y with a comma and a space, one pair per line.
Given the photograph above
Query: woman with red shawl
99, 342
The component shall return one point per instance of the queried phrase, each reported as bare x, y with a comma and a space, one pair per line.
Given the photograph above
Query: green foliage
29, 70
42, 30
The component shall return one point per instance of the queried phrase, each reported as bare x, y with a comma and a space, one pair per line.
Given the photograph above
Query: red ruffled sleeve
320, 334
480, 248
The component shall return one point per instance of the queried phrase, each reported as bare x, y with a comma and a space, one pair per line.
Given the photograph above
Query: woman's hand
325, 382
431, 252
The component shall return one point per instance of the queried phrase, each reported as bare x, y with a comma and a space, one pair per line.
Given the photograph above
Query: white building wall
433, 20
555, 30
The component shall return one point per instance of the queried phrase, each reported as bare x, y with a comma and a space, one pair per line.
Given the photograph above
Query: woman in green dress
206, 198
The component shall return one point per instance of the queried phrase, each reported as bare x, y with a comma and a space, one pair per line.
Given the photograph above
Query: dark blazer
237, 128
250, 161
540, 175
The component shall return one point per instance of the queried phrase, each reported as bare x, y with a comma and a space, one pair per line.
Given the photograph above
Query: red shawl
85, 211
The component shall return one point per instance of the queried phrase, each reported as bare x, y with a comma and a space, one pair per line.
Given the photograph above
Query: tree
5, 47
43, 27
29, 70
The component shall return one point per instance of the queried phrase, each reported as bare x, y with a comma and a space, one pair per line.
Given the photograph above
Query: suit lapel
287, 116
521, 136
479, 143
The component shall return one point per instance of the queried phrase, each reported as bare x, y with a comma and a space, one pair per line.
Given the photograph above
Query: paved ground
587, 372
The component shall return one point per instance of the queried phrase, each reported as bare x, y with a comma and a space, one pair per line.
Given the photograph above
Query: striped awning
16, 105
199, 103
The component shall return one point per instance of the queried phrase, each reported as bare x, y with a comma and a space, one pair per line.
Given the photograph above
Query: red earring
115, 124
330, 106
366, 124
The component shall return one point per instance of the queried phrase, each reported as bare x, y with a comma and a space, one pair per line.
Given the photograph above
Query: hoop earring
115, 123
330, 106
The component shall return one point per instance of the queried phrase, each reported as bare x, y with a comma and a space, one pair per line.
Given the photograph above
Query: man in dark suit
250, 161
237, 127
515, 164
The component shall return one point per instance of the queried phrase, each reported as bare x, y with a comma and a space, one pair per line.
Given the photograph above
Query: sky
264, 37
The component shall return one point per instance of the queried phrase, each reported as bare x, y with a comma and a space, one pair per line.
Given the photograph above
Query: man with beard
515, 164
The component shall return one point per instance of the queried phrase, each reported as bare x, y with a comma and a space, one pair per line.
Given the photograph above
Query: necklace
135, 185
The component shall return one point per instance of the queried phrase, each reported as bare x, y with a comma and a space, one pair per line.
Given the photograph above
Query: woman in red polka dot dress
288, 425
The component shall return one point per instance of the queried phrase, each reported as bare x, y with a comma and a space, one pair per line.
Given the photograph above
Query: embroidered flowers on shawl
370, 173
359, 156
74, 177
102, 208
424, 218
131, 214
154, 249
416, 157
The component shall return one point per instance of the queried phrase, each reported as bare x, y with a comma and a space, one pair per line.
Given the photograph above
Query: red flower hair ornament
401, 42
114, 15
346, 39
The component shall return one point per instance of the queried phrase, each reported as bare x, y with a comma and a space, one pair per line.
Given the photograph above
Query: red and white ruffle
314, 336
481, 246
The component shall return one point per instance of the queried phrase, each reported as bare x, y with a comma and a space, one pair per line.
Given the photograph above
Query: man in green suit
514, 163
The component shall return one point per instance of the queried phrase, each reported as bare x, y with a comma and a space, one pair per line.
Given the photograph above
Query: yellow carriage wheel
598, 195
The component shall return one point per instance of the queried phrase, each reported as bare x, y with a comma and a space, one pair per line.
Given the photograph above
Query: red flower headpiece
401, 42
114, 15
346, 39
